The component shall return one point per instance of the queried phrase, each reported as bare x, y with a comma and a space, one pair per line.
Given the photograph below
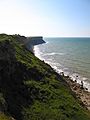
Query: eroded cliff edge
31, 89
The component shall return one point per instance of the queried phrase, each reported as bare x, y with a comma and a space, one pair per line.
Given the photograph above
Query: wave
53, 53
37, 52
46, 42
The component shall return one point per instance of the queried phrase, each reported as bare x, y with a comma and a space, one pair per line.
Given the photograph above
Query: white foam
54, 64
86, 84
46, 42
84, 78
53, 53
37, 52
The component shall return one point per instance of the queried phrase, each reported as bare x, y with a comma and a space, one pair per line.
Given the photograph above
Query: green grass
32, 90
4, 117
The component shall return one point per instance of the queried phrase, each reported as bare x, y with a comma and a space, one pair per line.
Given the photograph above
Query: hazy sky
45, 17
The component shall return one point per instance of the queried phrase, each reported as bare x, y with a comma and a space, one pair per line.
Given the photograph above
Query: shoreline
82, 94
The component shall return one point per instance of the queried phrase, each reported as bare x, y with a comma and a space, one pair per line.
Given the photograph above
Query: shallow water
68, 55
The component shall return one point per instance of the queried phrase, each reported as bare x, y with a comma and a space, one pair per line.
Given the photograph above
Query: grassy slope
4, 117
32, 90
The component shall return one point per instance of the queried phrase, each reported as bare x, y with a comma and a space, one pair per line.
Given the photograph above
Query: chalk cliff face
31, 89
34, 41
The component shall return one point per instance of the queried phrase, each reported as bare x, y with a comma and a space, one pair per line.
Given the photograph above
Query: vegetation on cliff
30, 89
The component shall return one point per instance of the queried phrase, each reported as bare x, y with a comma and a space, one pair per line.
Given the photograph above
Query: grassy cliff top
30, 89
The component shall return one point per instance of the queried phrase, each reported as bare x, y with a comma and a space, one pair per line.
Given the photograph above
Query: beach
81, 93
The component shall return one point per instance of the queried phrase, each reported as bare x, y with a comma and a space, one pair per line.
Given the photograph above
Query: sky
48, 18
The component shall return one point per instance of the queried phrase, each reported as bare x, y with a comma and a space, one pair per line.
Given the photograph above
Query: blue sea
68, 55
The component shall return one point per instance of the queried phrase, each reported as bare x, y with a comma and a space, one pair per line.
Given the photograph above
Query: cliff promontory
30, 89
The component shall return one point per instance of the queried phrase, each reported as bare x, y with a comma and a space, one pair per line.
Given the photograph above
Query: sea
68, 55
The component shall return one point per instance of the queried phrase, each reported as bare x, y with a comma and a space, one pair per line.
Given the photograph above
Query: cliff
30, 89
34, 41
